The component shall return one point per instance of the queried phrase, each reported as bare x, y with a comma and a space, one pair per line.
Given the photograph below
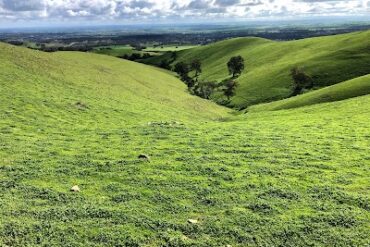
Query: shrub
196, 66
229, 88
301, 80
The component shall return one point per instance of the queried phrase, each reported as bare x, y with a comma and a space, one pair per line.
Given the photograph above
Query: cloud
23, 5
225, 3
138, 10
199, 4
140, 4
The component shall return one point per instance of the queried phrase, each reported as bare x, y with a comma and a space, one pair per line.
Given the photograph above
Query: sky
48, 12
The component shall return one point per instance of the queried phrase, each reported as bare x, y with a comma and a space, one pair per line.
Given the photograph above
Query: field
214, 177
268, 63
167, 48
114, 50
341, 91
121, 50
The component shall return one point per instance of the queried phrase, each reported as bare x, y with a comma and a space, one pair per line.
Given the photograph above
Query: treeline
64, 48
189, 73
136, 56
45, 48
206, 89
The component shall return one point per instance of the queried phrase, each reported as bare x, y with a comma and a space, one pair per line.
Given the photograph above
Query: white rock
192, 221
75, 188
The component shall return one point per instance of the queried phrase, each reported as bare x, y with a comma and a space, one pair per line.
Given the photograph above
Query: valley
292, 172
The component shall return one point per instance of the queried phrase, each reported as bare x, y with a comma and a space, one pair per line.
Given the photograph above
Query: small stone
75, 188
144, 157
184, 238
192, 221
81, 106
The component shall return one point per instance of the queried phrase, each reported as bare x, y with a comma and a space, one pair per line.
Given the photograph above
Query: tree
132, 57
301, 80
146, 55
173, 56
230, 86
182, 69
196, 66
165, 64
203, 89
236, 66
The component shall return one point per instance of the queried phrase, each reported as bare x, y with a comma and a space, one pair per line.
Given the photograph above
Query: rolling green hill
341, 91
295, 177
329, 60
100, 82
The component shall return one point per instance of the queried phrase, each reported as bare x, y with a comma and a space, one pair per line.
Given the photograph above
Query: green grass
114, 50
121, 50
341, 91
329, 60
297, 177
167, 48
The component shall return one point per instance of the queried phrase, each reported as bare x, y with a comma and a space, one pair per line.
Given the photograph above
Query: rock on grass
144, 157
75, 189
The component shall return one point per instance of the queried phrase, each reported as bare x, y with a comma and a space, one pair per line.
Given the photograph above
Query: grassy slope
285, 178
115, 51
341, 91
169, 48
329, 60
64, 79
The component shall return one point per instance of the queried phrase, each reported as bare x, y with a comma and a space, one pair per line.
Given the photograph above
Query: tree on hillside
236, 66
230, 87
165, 64
183, 69
196, 66
301, 80
173, 56
203, 89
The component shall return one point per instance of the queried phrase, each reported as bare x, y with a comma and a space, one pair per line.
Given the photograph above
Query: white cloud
137, 10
